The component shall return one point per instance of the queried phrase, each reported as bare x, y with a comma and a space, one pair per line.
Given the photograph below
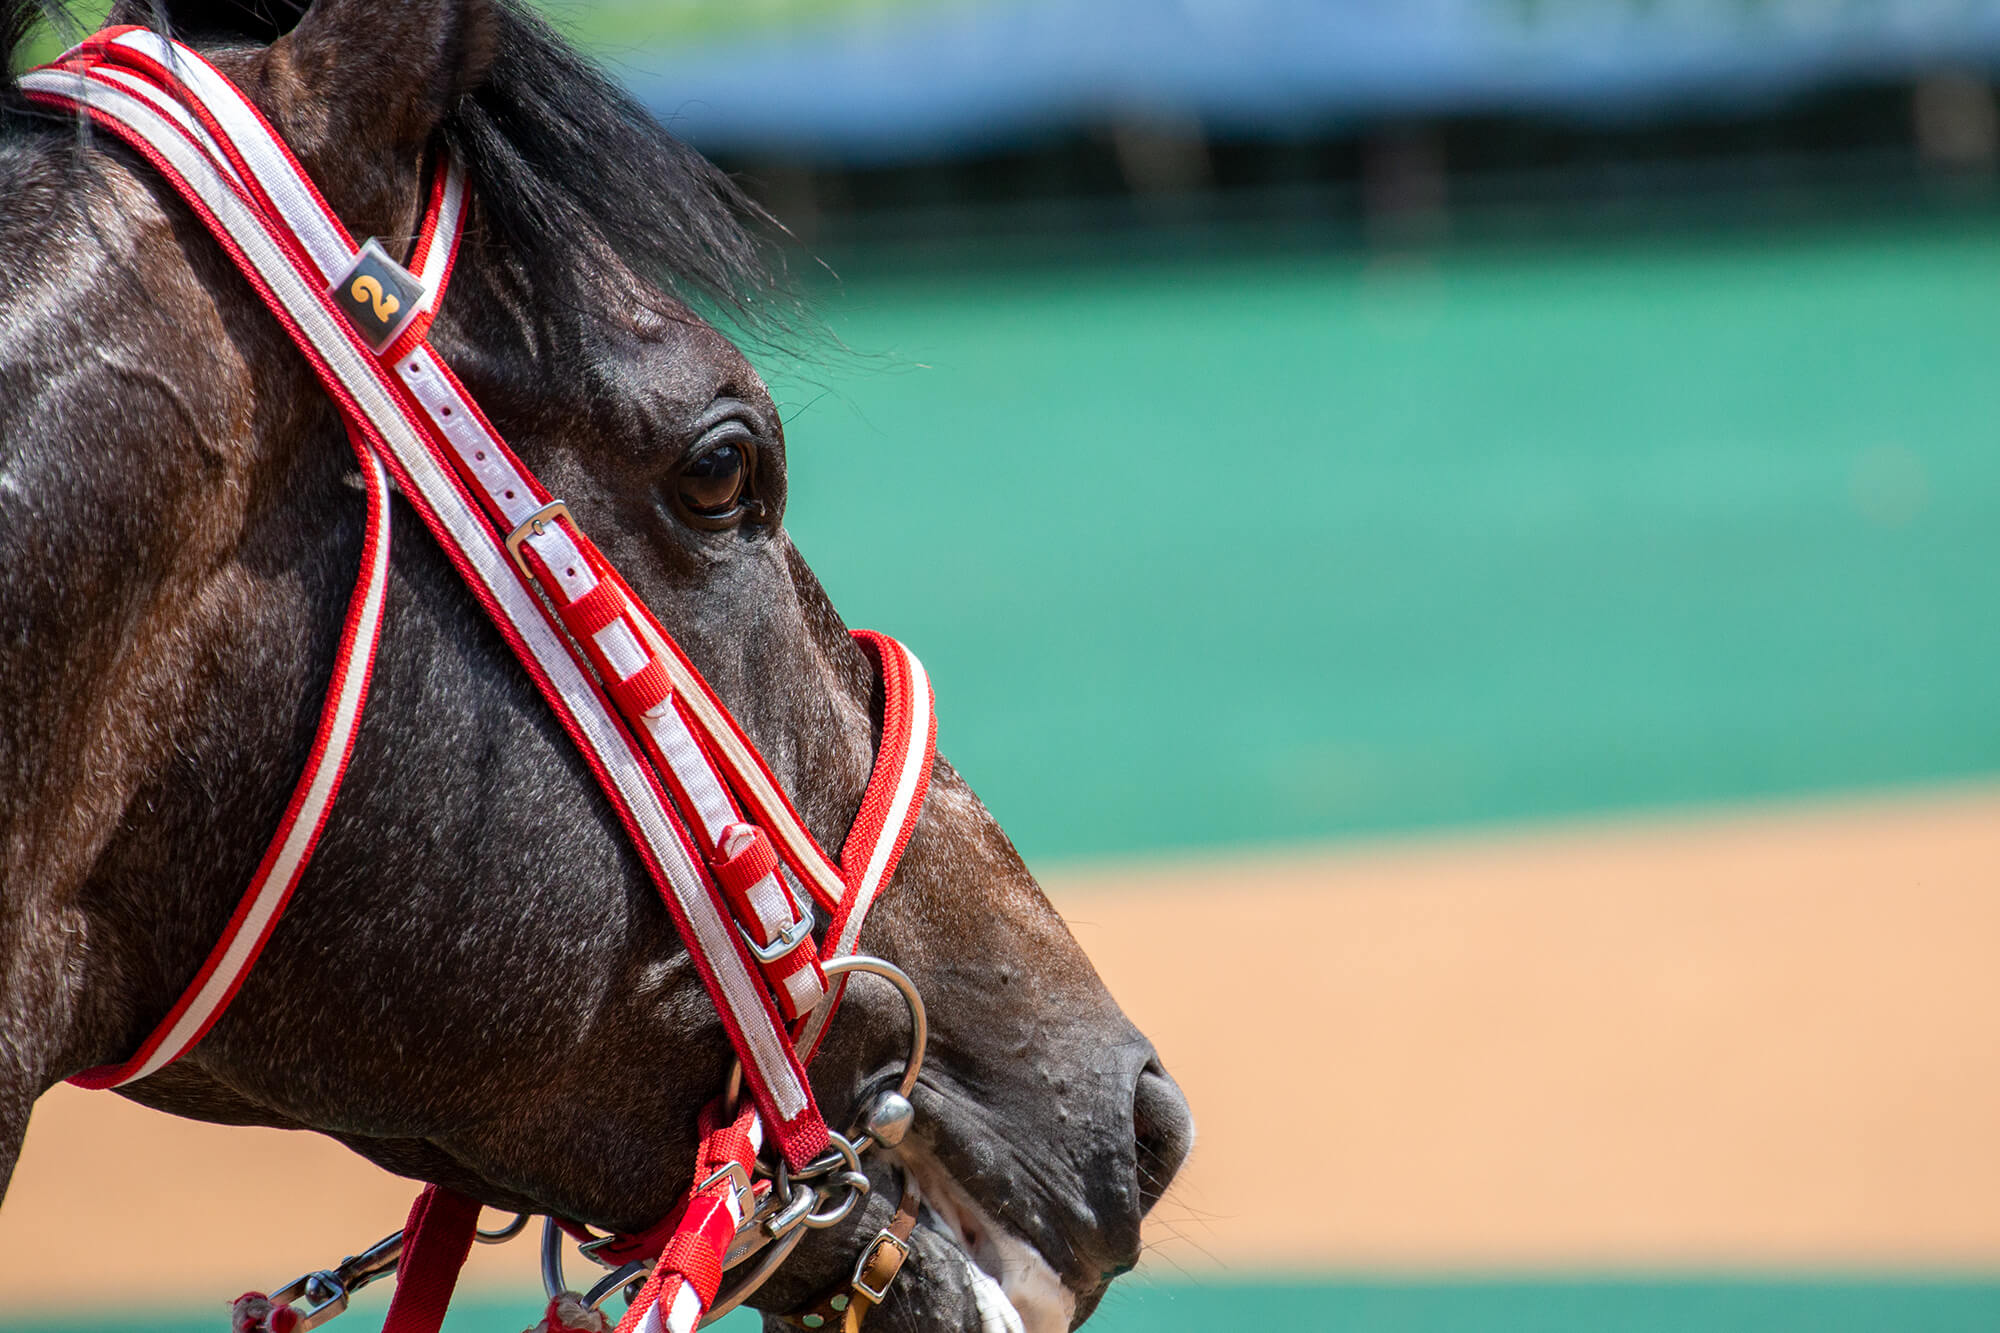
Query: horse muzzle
1028, 1241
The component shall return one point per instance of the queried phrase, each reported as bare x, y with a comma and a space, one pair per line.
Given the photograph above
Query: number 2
367, 288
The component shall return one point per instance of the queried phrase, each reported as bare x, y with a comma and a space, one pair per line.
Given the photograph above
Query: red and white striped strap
217, 150
409, 418
243, 939
678, 1295
890, 808
418, 421
688, 1272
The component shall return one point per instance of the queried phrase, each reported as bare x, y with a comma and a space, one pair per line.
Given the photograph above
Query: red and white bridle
716, 832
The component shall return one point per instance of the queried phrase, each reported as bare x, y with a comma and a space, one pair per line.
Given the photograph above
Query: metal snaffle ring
506, 1233
618, 1280
732, 1088
553, 1281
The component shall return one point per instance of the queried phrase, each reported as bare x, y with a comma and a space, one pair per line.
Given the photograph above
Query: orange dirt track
1749, 1040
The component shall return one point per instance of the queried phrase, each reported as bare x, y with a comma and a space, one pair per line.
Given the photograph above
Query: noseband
741, 876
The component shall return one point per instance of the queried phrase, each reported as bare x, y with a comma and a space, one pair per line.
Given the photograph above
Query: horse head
475, 984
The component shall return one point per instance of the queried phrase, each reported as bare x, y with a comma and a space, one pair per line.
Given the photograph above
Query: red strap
594, 610
625, 1249
692, 1251
436, 1240
750, 862
890, 807
903, 729
684, 1282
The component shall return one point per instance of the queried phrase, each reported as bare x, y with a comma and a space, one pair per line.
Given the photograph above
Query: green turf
1252, 549
1635, 1305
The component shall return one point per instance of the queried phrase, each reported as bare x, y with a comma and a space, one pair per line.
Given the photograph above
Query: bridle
742, 878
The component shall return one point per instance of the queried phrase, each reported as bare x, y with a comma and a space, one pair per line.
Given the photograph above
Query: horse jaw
1013, 1286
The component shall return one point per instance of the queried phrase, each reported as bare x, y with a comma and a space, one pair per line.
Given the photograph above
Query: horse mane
17, 19
559, 152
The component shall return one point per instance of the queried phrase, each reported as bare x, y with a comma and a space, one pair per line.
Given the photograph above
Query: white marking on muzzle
996, 1313
1013, 1286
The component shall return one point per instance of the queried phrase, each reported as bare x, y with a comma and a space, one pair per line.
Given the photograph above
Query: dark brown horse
475, 984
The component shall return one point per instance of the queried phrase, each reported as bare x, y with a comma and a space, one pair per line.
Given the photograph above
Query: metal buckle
791, 936
882, 1237
537, 523
739, 1183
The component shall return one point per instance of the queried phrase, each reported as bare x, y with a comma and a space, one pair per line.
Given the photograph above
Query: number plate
378, 295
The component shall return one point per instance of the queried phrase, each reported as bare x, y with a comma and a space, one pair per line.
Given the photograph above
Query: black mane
557, 150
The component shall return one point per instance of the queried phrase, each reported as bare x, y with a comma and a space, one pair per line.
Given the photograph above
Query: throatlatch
741, 876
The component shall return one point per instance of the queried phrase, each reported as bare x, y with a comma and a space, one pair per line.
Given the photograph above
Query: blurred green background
1296, 545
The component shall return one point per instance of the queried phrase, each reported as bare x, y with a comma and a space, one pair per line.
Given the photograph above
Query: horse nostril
1162, 1129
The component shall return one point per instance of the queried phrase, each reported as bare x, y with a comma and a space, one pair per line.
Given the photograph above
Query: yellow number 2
367, 288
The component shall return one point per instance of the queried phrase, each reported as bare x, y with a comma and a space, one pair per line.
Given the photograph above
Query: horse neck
181, 732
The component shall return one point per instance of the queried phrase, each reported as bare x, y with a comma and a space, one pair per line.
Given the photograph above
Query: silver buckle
536, 524
739, 1184
791, 936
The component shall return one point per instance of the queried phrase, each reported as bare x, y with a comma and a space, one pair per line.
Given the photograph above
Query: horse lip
1038, 1300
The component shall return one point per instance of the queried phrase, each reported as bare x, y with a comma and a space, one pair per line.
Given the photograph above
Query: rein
741, 876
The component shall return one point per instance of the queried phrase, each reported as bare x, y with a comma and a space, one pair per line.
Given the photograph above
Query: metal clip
328, 1291
798, 1207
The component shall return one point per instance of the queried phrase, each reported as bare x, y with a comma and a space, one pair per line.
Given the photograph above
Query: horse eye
712, 482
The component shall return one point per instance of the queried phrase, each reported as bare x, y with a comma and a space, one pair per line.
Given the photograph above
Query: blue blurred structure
881, 84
